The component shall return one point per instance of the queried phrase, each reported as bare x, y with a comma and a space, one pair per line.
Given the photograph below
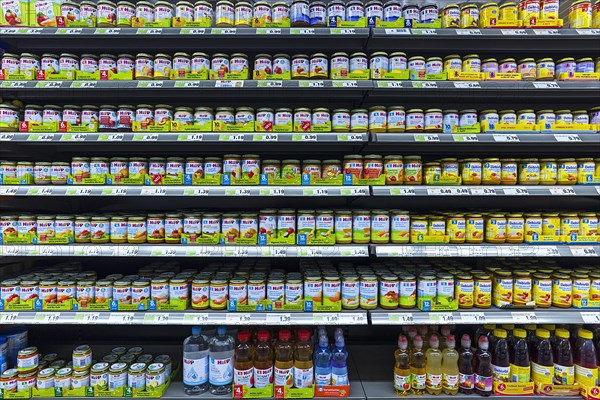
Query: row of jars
299, 66
356, 226
376, 119
398, 170
116, 370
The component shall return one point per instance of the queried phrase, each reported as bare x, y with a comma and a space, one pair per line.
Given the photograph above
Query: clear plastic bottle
322, 360
242, 366
417, 367
433, 366
500, 357
303, 360
564, 371
284, 359
195, 363
402, 367
450, 366
263, 360
520, 365
466, 374
483, 368
542, 365
221, 362
586, 368
339, 365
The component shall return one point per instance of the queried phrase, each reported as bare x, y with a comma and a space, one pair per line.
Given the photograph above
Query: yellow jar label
522, 291
400, 228
471, 173
514, 229
562, 292
495, 230
533, 229
475, 229
551, 226
542, 292
567, 173
503, 290
456, 228
588, 227
464, 293
492, 173
482, 293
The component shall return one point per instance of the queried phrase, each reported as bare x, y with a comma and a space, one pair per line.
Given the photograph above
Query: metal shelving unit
487, 250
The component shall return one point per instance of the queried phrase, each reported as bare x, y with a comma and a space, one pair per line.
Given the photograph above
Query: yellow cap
520, 333
509, 327
563, 333
500, 333
585, 334
489, 326
530, 327
542, 333
550, 327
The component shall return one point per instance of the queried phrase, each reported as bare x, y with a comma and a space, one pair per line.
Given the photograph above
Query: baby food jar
545, 69
490, 66
469, 16
527, 67
415, 120
492, 171
318, 14
433, 118
471, 63
396, 119
377, 119
300, 13
529, 171
566, 171
319, 66
471, 171
243, 14
359, 120
509, 171
413, 170
340, 120
224, 14
280, 12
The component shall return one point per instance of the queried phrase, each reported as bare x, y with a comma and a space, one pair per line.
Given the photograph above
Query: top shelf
514, 41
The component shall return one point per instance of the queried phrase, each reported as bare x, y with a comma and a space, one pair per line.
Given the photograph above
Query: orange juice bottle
284, 359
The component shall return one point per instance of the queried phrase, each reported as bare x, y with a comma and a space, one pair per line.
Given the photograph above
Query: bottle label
501, 374
195, 371
303, 378
483, 383
284, 377
339, 379
263, 377
434, 380
242, 377
586, 376
466, 381
418, 381
221, 371
402, 382
542, 374
322, 379
564, 375
520, 374
450, 381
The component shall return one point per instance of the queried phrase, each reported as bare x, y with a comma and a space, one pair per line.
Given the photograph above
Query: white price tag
350, 138
83, 85
9, 317
154, 191
277, 192
192, 31
44, 191
390, 84
271, 84
168, 252
346, 84
11, 251
195, 137
403, 318
308, 137
583, 251
157, 318
543, 251
121, 318
460, 191
473, 317
201, 191
320, 192
304, 31
406, 191
48, 251
107, 31
196, 318
515, 191
344, 31
119, 191
546, 32
467, 85
33, 31
229, 84
424, 85
242, 192
588, 31
116, 137
400, 31
226, 31
278, 252
441, 317
359, 252
83, 191
315, 84
150, 138
326, 318
567, 137
42, 138
590, 317
191, 84
150, 84
8, 190
503, 137
426, 138
314, 252
278, 319
91, 317
483, 191
524, 317
129, 251
151, 31
546, 85
236, 138
241, 252
513, 32
48, 317
359, 191
15, 84
424, 32
6, 137
468, 32
237, 318
92, 251
562, 191
443, 191
272, 31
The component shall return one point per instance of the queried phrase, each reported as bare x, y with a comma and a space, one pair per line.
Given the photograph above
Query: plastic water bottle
3, 354
323, 362
221, 362
195, 363
339, 366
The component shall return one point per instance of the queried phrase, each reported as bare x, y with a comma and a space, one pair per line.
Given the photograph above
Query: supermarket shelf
148, 250
517, 41
183, 191
502, 138
178, 137
189, 317
247, 39
577, 190
487, 316
486, 250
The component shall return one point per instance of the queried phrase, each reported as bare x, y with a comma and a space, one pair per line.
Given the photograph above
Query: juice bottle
423, 331
542, 365
433, 366
500, 358
586, 369
564, 372
483, 368
484, 330
531, 338
303, 362
242, 363
450, 367
520, 366
418, 374
284, 359
466, 377
445, 332
552, 329
412, 334
574, 338
402, 367
263, 360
